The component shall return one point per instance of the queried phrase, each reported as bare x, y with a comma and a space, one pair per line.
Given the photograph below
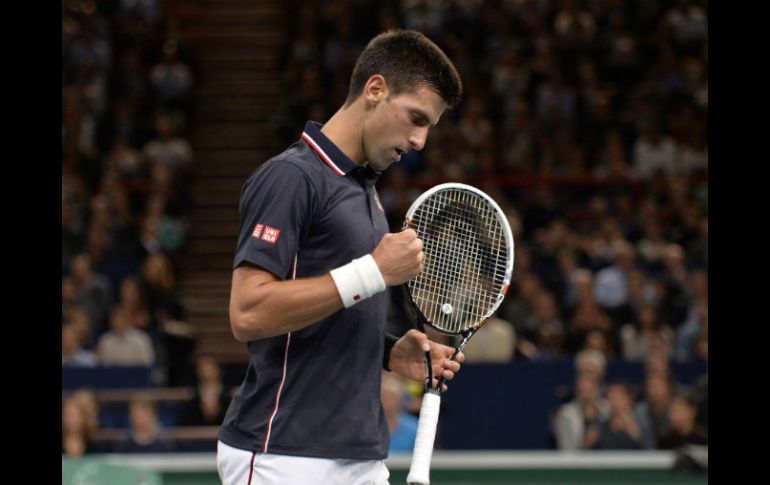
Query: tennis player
313, 261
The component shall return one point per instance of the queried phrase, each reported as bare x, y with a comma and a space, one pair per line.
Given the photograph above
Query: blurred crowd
585, 120
127, 80
620, 415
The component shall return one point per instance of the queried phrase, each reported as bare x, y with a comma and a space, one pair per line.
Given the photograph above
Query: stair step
207, 156
266, 87
215, 229
235, 115
255, 103
239, 90
232, 134
222, 262
237, 170
250, 75
239, 63
237, 5
204, 247
214, 199
248, 16
213, 214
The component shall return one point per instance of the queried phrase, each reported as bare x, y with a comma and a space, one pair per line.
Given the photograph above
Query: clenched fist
399, 256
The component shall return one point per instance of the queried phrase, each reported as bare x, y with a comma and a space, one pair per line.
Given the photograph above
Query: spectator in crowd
93, 290
674, 304
402, 424
570, 273
160, 231
657, 363
622, 429
86, 399
687, 24
654, 150
599, 340
80, 322
131, 302
694, 327
700, 394
576, 423
588, 317
641, 292
591, 363
72, 352
75, 436
170, 150
171, 79
646, 330
520, 307
545, 343
158, 284
653, 410
168, 147
494, 343
652, 247
211, 397
124, 345
611, 283
145, 435
684, 429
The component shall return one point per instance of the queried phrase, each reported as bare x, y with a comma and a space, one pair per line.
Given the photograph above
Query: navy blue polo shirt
314, 392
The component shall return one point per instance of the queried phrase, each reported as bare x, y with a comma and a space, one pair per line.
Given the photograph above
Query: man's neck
344, 129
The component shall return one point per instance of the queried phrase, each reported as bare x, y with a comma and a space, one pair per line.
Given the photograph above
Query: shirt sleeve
276, 206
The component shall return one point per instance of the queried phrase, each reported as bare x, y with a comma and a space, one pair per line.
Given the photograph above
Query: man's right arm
262, 305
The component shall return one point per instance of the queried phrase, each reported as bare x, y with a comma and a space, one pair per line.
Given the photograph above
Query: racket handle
419, 472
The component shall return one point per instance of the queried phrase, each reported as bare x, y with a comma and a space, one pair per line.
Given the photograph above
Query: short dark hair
406, 59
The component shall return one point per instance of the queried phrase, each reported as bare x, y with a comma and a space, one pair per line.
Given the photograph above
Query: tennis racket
468, 249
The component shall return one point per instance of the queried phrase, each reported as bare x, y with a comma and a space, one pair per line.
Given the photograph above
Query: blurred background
585, 120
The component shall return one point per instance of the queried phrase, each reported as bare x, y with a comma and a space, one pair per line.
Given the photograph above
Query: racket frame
420, 466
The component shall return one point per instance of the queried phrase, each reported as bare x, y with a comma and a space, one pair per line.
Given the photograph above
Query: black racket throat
421, 323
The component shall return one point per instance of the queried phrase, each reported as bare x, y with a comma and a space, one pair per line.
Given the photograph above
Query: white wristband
358, 280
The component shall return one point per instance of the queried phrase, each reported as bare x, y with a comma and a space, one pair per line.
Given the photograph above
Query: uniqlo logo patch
270, 235
257, 231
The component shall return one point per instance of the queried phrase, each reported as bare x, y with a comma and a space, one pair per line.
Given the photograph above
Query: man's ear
375, 89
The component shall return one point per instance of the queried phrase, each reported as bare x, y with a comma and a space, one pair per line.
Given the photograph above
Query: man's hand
406, 358
399, 257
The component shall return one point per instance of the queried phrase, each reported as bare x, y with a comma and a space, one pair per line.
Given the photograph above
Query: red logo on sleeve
257, 231
271, 234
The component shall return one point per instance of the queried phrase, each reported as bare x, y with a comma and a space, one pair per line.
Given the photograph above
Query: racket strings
465, 259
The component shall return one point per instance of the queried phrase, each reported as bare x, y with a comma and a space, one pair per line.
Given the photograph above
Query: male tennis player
311, 267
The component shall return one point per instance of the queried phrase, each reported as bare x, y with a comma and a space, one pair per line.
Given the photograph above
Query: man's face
400, 123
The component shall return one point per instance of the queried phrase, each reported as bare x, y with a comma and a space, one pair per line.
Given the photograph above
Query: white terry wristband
358, 280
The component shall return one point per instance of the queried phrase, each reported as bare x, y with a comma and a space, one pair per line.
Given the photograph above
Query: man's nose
418, 138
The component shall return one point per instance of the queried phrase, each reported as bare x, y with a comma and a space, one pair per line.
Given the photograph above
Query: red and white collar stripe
322, 154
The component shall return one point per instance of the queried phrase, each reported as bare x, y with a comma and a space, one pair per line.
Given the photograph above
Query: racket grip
419, 471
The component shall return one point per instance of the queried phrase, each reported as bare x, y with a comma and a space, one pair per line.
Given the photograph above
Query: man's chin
380, 166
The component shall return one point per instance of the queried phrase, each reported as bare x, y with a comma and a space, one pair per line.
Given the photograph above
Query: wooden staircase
237, 43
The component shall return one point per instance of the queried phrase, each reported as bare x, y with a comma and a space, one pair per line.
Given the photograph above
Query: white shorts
241, 467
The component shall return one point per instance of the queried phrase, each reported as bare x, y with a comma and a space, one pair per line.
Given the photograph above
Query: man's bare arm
262, 305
